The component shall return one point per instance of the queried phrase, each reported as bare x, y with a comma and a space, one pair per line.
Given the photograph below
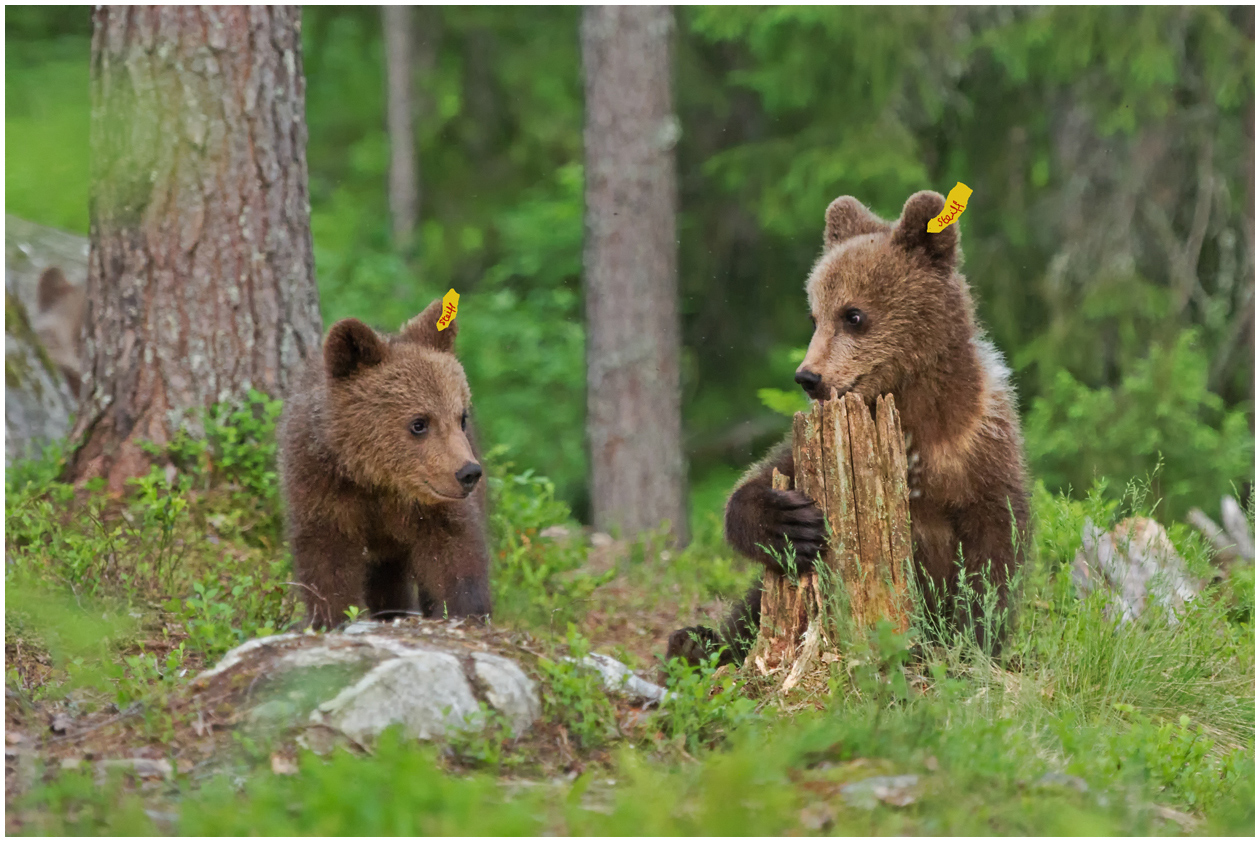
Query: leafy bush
1162, 412
535, 581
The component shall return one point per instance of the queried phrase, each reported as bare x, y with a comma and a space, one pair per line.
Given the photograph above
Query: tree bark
631, 273
404, 168
854, 468
201, 278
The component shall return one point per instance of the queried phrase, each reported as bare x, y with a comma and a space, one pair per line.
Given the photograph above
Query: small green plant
703, 708
573, 695
486, 741
536, 581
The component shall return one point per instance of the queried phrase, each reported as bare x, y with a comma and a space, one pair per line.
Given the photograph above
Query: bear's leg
982, 600
389, 589
329, 570
735, 637
459, 584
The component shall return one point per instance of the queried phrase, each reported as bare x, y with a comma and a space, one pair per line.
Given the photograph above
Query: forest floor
114, 606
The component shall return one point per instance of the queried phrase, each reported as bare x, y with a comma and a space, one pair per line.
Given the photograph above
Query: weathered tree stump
854, 468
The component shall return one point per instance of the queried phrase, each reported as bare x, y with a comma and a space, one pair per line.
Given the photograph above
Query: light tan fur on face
373, 411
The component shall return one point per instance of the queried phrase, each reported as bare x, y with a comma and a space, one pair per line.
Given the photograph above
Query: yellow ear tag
955, 204
450, 305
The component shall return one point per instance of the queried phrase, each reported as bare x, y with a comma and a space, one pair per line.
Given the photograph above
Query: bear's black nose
468, 475
809, 380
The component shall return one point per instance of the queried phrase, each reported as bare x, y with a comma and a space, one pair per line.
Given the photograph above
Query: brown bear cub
892, 314
380, 477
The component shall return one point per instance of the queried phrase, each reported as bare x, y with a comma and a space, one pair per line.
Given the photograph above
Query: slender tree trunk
201, 279
631, 272
404, 169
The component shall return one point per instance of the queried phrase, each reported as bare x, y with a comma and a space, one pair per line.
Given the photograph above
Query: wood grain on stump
852, 464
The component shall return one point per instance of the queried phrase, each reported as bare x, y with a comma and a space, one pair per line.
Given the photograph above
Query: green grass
122, 601
46, 131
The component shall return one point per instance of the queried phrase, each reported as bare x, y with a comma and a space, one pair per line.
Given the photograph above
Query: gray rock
894, 790
426, 692
1135, 564
1053, 779
37, 400
429, 677
142, 767
509, 690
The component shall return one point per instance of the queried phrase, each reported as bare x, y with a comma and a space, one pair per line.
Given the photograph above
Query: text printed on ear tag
450, 304
955, 204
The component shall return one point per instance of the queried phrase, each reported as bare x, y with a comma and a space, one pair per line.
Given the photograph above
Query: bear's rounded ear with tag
423, 330
351, 346
847, 218
911, 232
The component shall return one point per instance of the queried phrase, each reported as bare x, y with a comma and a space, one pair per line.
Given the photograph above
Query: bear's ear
351, 346
912, 234
53, 287
422, 329
847, 217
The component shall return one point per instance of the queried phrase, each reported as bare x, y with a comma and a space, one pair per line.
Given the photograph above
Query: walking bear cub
380, 477
892, 314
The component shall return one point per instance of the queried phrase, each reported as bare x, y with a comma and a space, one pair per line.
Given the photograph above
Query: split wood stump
853, 467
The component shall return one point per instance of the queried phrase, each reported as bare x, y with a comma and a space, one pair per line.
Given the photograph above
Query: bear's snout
468, 476
809, 380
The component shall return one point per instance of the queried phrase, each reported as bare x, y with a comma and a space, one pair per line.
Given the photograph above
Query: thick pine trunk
854, 467
404, 170
631, 274
201, 279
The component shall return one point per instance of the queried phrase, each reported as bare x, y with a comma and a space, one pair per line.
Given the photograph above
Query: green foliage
574, 696
398, 791
783, 401
1161, 412
75, 803
781, 109
235, 448
46, 128
703, 709
536, 581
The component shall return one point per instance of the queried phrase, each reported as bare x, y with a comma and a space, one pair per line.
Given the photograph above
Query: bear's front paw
792, 520
693, 644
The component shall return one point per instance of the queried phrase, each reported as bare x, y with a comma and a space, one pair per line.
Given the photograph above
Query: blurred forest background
1109, 241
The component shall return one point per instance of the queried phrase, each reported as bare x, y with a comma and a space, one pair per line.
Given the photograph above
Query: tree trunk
854, 467
631, 273
404, 170
200, 279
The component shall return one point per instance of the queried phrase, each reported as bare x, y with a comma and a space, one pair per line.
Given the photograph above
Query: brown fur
58, 322
919, 341
377, 516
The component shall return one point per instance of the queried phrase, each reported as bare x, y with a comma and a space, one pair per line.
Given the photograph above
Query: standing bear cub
893, 315
380, 477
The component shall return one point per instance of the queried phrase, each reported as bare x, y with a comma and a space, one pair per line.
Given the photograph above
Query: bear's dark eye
420, 426
463, 421
854, 319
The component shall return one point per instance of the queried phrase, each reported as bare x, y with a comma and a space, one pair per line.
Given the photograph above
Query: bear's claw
793, 519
